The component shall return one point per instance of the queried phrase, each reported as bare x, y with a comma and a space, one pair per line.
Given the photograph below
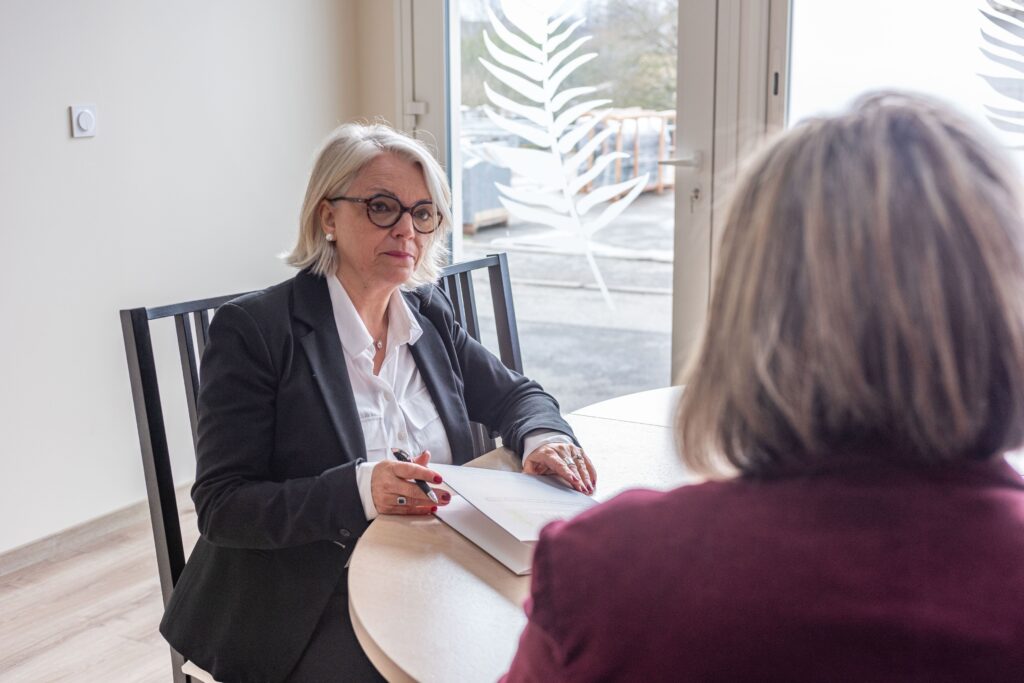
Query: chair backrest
149, 418
457, 282
192, 322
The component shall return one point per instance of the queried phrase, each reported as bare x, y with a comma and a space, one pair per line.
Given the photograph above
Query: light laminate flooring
91, 615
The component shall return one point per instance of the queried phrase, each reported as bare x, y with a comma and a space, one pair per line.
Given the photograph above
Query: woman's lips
399, 254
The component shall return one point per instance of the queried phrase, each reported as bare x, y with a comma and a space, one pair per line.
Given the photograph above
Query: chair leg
178, 661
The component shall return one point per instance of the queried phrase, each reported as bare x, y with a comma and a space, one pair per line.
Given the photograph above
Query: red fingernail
437, 479
433, 508
445, 497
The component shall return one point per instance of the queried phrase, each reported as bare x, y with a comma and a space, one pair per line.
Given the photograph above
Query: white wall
209, 112
377, 52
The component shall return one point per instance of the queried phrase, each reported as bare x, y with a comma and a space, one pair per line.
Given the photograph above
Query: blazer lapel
326, 357
435, 368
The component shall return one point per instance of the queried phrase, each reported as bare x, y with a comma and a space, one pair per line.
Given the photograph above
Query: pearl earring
330, 237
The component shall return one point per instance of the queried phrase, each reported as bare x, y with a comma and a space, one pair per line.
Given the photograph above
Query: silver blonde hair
344, 154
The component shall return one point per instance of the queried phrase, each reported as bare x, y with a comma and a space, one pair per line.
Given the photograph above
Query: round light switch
85, 121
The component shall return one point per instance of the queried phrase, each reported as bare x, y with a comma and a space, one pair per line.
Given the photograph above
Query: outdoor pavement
573, 344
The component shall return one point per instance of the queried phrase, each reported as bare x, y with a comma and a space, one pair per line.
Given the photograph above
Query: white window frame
745, 75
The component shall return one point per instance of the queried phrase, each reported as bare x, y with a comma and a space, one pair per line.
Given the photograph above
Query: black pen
424, 486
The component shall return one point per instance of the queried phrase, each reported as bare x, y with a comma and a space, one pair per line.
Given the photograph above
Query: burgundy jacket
869, 573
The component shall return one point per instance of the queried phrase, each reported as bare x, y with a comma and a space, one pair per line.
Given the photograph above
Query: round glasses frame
434, 221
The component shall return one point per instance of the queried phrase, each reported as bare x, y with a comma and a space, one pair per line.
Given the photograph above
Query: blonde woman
859, 380
307, 387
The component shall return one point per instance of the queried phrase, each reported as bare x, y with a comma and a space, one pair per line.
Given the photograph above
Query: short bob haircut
344, 154
868, 303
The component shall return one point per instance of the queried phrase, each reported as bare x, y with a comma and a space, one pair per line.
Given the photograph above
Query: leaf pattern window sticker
532, 52
1002, 34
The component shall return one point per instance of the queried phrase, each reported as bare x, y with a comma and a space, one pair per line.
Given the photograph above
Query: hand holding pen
402, 486
420, 483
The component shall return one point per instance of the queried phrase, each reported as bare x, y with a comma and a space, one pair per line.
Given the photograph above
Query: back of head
869, 299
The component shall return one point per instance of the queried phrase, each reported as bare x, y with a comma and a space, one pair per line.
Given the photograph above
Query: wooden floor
89, 616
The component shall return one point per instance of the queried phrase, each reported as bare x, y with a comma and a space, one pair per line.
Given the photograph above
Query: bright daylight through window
565, 110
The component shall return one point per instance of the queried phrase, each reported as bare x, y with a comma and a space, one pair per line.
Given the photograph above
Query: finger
443, 497
590, 467
567, 471
408, 500
409, 470
422, 459
584, 472
415, 496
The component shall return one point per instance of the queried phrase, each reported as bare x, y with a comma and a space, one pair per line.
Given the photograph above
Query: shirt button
345, 533
401, 436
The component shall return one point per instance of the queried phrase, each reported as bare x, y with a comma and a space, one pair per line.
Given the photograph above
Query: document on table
503, 512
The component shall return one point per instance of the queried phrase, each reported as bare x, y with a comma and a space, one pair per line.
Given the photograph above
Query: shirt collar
403, 327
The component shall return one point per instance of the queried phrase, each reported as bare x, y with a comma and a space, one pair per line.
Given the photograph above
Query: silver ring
402, 500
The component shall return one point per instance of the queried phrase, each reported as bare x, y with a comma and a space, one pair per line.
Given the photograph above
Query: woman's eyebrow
384, 190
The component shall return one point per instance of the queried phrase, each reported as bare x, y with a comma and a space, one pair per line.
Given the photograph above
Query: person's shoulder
269, 302
267, 309
432, 303
632, 516
429, 298
265, 299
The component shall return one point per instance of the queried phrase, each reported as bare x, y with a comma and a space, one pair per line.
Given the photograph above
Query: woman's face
370, 258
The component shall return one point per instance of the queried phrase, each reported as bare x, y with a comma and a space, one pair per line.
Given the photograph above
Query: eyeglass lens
385, 211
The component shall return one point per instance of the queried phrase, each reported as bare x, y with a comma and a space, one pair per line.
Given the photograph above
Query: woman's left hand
566, 460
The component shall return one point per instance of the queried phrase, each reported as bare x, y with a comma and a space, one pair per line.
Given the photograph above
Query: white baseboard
67, 542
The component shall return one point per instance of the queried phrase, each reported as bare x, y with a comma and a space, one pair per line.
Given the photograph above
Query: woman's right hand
390, 486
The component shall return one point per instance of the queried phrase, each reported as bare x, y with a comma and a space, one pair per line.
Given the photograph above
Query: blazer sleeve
237, 501
510, 404
541, 657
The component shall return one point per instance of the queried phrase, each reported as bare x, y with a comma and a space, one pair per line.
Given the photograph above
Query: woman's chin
396, 277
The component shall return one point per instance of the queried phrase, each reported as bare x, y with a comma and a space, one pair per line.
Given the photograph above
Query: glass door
563, 113
970, 54
967, 53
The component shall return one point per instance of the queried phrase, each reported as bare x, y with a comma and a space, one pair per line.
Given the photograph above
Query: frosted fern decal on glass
560, 124
1002, 36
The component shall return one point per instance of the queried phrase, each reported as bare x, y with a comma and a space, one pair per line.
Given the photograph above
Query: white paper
521, 504
485, 533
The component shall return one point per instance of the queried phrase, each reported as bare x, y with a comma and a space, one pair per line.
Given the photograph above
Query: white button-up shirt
395, 407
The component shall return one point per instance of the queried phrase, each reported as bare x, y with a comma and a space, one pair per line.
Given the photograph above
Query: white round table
428, 605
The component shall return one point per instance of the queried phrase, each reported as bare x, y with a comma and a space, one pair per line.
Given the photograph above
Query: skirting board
70, 540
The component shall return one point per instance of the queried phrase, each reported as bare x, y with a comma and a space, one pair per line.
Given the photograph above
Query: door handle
694, 161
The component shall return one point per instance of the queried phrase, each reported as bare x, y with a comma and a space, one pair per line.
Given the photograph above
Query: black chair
192, 323
457, 283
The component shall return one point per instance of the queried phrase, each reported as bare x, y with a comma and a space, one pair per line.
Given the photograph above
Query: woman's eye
381, 207
423, 214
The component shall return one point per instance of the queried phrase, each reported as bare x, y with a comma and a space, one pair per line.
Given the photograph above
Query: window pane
841, 49
583, 341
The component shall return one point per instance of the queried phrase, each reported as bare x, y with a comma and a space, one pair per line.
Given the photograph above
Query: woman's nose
403, 228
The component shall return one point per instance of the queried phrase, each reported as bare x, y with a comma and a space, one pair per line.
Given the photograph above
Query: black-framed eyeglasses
385, 211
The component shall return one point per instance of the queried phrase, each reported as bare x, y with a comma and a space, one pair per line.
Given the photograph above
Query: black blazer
279, 439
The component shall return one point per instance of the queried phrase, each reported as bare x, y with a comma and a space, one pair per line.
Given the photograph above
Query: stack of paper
503, 512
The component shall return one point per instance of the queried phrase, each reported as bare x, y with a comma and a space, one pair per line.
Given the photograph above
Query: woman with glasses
308, 389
